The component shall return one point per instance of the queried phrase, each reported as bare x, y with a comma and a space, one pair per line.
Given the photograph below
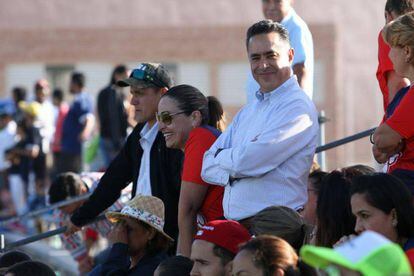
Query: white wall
195, 74
24, 74
232, 81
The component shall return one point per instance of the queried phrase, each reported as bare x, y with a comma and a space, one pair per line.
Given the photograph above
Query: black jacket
112, 116
165, 174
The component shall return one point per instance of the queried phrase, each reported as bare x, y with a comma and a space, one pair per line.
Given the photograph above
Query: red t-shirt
199, 141
402, 121
384, 65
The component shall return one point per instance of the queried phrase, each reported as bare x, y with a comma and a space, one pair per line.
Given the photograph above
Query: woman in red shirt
394, 139
191, 122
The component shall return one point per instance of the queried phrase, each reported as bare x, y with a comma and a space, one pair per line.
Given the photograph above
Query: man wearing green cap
144, 159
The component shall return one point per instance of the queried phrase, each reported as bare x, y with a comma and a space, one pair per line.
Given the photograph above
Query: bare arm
387, 140
302, 74
191, 199
395, 83
88, 129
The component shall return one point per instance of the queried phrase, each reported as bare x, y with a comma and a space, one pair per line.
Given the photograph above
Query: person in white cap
368, 254
139, 241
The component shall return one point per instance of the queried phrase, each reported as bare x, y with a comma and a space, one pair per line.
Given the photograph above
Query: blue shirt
74, 123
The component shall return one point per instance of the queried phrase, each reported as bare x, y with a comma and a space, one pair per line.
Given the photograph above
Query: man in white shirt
301, 41
7, 135
263, 158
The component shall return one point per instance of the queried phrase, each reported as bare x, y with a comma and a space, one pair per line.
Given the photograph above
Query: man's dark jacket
165, 174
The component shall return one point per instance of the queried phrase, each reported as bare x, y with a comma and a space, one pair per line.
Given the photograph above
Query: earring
394, 223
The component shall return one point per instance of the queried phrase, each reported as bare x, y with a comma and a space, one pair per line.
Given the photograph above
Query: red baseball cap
228, 234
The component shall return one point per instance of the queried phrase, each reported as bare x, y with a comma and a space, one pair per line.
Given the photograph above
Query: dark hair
78, 79
65, 185
175, 266
400, 7
31, 268
315, 178
386, 192
58, 94
357, 170
13, 257
225, 255
119, 69
270, 253
159, 243
190, 99
19, 93
265, 27
283, 222
333, 209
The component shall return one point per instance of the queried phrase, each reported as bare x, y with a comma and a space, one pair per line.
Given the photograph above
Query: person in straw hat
139, 241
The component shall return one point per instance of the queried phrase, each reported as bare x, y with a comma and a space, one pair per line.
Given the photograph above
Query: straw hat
147, 209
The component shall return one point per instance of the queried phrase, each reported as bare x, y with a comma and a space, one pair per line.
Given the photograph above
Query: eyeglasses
165, 117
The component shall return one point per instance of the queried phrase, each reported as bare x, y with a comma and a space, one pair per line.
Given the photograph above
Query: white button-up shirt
266, 153
147, 139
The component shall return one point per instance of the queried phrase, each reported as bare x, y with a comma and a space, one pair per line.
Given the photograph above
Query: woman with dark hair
267, 255
334, 217
314, 186
191, 122
382, 203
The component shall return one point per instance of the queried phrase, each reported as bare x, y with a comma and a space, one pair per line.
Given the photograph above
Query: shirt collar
279, 90
288, 16
79, 95
148, 134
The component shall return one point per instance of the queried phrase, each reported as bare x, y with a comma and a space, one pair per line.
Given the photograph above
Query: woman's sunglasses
166, 117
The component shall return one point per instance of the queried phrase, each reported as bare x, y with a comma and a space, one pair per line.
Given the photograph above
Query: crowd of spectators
184, 194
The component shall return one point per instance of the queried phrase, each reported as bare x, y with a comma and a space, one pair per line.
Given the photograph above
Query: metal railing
5, 247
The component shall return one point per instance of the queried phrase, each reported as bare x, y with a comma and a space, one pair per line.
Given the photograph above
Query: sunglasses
146, 74
166, 117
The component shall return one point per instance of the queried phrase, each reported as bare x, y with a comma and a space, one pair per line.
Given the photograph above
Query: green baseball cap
369, 253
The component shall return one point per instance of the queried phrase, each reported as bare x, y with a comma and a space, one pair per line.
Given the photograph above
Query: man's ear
228, 268
163, 90
409, 54
291, 54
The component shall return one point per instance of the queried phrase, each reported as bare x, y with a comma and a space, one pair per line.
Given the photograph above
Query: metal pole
41, 236
322, 155
345, 140
35, 213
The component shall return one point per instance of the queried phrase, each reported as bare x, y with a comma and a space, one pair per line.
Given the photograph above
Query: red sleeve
199, 141
384, 66
403, 117
384, 61
410, 256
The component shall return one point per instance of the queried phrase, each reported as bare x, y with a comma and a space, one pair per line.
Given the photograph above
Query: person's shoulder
204, 133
